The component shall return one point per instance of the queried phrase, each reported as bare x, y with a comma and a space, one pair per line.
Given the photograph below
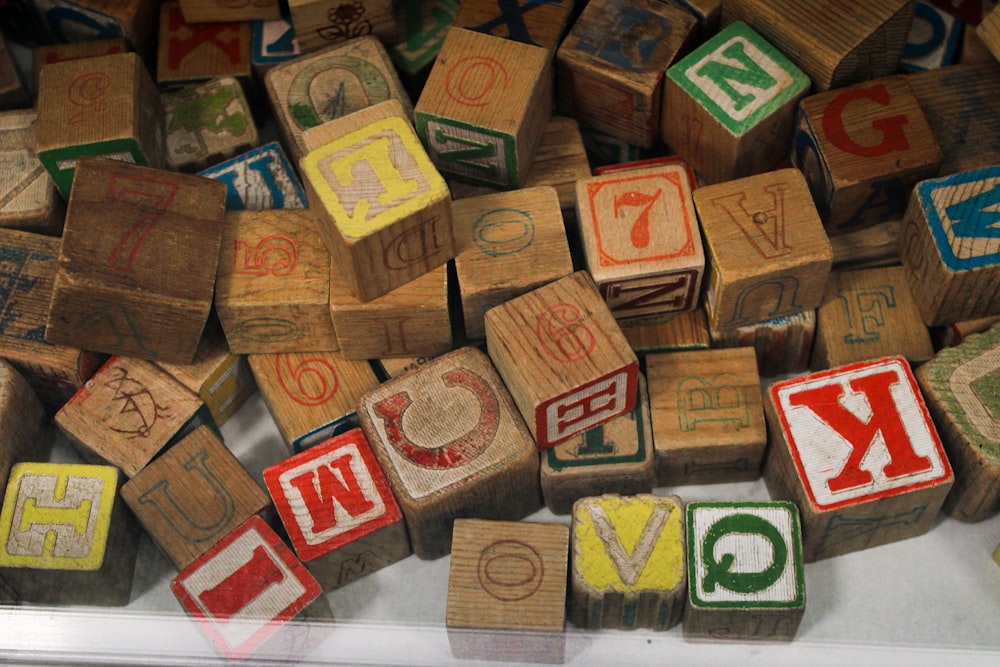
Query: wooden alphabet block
745, 573
137, 262
707, 416
484, 108
783, 345
678, 331
539, 24
933, 41
391, 367
28, 198
641, 240
258, 180
319, 23
220, 11
66, 537
989, 32
106, 106
950, 247
962, 388
826, 426
193, 52
614, 457
339, 512
729, 106
867, 248
13, 93
582, 371
84, 20
57, 53
627, 560
423, 25
479, 462
23, 436
862, 149
312, 396
838, 44
510, 243
768, 254
272, 43
192, 496
868, 314
611, 65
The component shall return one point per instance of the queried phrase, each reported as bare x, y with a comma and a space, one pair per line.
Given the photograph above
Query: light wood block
707, 416
867, 248
650, 162
338, 510
614, 457
510, 243
627, 559
824, 425
768, 254
950, 247
28, 197
193, 52
23, 433
423, 26
484, 108
192, 496
836, 44
106, 106
782, 345
933, 41
538, 24
319, 23
480, 462
272, 43
862, 149
641, 240
962, 389
989, 32
679, 331
66, 537
216, 11
955, 333
752, 585
57, 53
311, 396
84, 20
137, 262
13, 93
729, 106
258, 180
868, 314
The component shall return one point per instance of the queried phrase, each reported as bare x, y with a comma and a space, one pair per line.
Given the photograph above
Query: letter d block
745, 572
855, 448
65, 536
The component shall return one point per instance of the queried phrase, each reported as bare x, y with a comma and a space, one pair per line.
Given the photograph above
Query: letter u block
745, 571
65, 536
855, 448
452, 444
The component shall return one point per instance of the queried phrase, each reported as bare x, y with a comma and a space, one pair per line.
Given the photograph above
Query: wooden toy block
707, 13
396, 228
862, 149
23, 433
130, 233
258, 180
339, 512
221, 11
423, 25
129, 412
193, 52
707, 416
611, 65
745, 571
955, 333
577, 371
641, 240
962, 389
246, 591
192, 496
510, 243
312, 396
782, 345
650, 162
106, 106
57, 53
933, 41
868, 314
614, 457
729, 106
391, 367
678, 331
484, 108
951, 248
85, 20
28, 198
27, 271
66, 537
13, 93
989, 32
319, 23
537, 23
627, 562
970, 11
208, 123
856, 450
480, 462
974, 51
836, 45
768, 254
867, 248
329, 84
272, 43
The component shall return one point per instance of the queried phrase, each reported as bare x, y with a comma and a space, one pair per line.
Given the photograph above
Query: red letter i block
857, 451
340, 514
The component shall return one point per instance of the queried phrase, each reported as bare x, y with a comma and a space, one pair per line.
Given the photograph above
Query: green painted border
558, 465
63, 178
421, 119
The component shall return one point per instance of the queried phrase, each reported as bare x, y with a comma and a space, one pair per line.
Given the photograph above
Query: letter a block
338, 510
480, 461
855, 448
628, 562
745, 572
66, 537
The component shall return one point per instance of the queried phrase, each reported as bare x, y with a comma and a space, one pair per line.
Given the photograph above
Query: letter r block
855, 448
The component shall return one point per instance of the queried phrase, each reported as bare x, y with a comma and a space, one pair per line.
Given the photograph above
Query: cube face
319, 23
207, 123
933, 40
543, 26
586, 406
259, 179
960, 210
783, 344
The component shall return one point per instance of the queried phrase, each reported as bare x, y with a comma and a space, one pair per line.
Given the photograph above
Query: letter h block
855, 448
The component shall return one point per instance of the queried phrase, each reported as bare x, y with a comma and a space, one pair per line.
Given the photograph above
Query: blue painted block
259, 179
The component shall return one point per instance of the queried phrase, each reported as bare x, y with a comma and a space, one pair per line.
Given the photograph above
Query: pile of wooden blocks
454, 320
